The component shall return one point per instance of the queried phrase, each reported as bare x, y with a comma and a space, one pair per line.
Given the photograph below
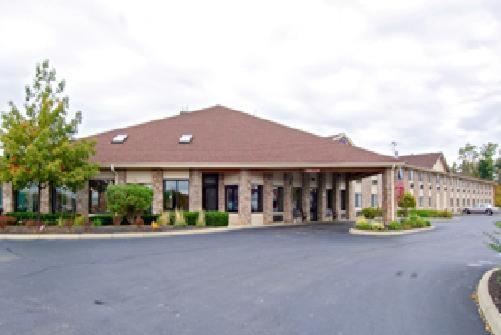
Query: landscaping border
139, 234
486, 305
355, 231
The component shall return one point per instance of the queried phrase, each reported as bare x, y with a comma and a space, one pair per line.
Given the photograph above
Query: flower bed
411, 222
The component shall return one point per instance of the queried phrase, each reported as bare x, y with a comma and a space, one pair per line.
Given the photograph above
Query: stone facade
158, 192
244, 198
195, 190
8, 198
83, 200
220, 193
267, 198
322, 196
287, 197
387, 203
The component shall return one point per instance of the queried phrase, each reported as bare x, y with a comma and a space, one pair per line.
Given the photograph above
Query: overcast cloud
426, 74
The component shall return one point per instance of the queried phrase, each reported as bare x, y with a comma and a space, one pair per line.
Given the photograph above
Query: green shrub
364, 226
213, 218
407, 201
79, 220
371, 213
46, 218
414, 221
432, 213
191, 218
129, 200
394, 225
97, 222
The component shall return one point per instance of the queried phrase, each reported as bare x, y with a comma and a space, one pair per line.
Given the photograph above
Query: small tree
129, 200
37, 140
407, 201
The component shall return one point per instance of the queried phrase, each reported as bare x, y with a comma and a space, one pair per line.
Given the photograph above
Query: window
185, 139
457, 202
374, 181
421, 201
210, 193
231, 198
119, 139
329, 199
97, 195
257, 198
358, 199
411, 174
63, 200
176, 194
297, 198
27, 199
278, 199
420, 176
343, 200
437, 179
429, 202
411, 185
452, 202
421, 186
374, 202
400, 174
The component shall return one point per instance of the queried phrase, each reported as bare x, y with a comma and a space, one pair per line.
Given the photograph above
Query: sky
425, 74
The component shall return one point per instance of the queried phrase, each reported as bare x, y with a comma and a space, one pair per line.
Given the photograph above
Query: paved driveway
291, 280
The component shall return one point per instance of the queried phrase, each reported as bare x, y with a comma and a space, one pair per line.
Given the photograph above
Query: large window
257, 198
278, 199
343, 200
27, 199
297, 198
210, 187
411, 174
97, 195
374, 202
400, 174
176, 194
358, 200
63, 200
329, 199
231, 198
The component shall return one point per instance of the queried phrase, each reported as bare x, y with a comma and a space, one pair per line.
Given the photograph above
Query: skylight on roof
119, 139
185, 139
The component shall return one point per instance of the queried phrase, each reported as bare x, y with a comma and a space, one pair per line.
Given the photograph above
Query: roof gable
432, 161
224, 135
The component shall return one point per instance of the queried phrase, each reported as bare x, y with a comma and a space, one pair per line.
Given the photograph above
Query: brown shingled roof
223, 135
426, 161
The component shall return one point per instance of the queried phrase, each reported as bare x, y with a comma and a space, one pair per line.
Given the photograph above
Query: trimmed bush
213, 218
191, 218
371, 213
394, 225
425, 213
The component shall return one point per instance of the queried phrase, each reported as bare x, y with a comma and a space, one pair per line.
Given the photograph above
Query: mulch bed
90, 230
495, 289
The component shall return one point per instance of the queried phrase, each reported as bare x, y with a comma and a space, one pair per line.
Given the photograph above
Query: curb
486, 305
124, 235
355, 231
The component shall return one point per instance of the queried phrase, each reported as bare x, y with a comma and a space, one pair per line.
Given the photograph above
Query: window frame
233, 189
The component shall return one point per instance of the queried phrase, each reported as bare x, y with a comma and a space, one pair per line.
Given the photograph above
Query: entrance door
313, 204
210, 192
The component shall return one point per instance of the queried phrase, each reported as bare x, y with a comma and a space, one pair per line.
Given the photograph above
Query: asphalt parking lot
287, 280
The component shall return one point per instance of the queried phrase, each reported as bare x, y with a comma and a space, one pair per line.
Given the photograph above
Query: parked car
480, 209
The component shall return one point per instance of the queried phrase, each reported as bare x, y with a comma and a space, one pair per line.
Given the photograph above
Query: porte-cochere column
388, 201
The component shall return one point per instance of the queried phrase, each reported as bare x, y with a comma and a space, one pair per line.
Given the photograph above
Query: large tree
486, 164
468, 160
38, 139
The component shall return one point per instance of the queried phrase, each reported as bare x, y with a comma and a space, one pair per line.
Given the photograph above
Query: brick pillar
350, 197
7, 197
388, 201
322, 196
288, 197
244, 198
120, 177
158, 191
267, 197
220, 193
45, 200
306, 196
83, 200
195, 190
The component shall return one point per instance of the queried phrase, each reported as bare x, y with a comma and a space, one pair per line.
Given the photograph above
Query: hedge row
427, 213
216, 218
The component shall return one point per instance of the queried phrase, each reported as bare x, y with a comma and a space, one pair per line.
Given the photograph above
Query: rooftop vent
186, 139
119, 139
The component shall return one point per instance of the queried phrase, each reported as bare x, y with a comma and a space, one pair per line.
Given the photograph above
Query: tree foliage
406, 202
37, 139
479, 162
128, 200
